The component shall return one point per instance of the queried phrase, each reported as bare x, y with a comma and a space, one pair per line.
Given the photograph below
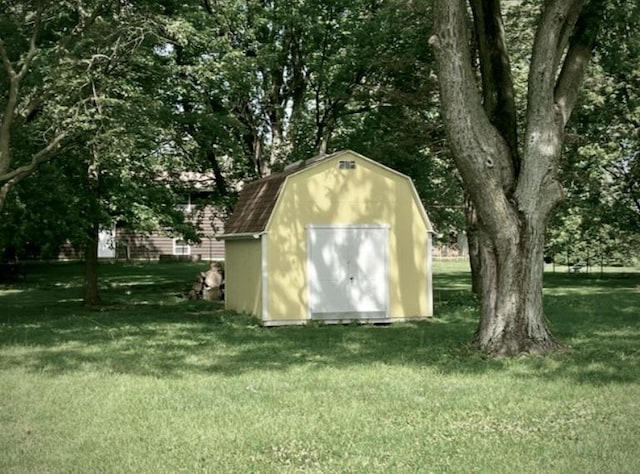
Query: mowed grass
151, 382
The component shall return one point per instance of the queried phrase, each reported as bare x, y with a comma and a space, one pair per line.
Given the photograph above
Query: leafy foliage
600, 219
147, 91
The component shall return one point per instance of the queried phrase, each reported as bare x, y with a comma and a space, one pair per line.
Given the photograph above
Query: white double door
347, 271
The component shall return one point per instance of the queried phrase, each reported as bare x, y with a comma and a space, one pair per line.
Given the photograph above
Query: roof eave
241, 235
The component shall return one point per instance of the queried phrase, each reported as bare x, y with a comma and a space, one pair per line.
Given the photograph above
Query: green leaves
601, 157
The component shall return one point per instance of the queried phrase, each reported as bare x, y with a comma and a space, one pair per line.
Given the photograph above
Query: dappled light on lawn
204, 383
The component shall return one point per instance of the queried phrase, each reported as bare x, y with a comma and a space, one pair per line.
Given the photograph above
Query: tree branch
32, 44
581, 47
43, 155
567, 32
30, 109
9, 111
495, 68
13, 94
6, 61
462, 109
552, 28
207, 6
481, 154
84, 23
545, 118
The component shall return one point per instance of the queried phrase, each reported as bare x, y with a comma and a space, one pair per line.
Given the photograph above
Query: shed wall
327, 195
243, 273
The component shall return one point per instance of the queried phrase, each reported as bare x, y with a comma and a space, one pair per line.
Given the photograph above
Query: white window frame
184, 245
186, 208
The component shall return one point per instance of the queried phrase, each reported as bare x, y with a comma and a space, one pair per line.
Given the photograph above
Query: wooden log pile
208, 285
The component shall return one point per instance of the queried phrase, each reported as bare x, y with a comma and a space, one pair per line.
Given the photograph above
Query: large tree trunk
513, 196
512, 320
510, 250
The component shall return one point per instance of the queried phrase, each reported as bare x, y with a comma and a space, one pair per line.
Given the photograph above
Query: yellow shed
334, 238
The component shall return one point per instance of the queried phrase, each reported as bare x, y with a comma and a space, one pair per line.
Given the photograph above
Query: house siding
133, 245
142, 247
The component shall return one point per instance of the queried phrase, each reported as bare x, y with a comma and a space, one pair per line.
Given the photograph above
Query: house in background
124, 244
162, 246
334, 238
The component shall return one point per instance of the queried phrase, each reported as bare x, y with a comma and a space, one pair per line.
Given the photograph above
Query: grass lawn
154, 383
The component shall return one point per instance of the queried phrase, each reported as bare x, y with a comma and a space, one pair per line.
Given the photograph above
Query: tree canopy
104, 103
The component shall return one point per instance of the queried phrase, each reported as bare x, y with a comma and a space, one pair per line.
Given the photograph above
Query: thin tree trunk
323, 144
279, 146
4, 191
221, 182
91, 291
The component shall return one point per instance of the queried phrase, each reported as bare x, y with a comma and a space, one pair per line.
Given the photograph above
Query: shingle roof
257, 199
254, 206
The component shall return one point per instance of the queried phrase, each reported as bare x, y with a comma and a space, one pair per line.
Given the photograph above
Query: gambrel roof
257, 199
254, 206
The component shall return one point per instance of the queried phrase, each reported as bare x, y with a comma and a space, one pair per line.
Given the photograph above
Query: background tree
599, 222
40, 44
112, 165
274, 82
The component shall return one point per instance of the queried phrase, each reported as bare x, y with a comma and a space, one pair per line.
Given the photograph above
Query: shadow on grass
149, 331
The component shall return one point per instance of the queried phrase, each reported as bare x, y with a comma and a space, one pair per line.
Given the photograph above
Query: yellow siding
368, 194
243, 273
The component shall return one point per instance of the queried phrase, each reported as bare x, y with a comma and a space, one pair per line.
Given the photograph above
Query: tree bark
512, 319
474, 248
91, 290
513, 197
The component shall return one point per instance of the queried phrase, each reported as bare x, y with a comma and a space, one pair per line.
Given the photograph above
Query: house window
346, 164
186, 207
180, 247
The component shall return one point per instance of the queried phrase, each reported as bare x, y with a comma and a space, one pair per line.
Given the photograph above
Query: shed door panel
347, 273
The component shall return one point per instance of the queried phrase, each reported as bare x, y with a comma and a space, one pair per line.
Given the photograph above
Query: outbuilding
334, 238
